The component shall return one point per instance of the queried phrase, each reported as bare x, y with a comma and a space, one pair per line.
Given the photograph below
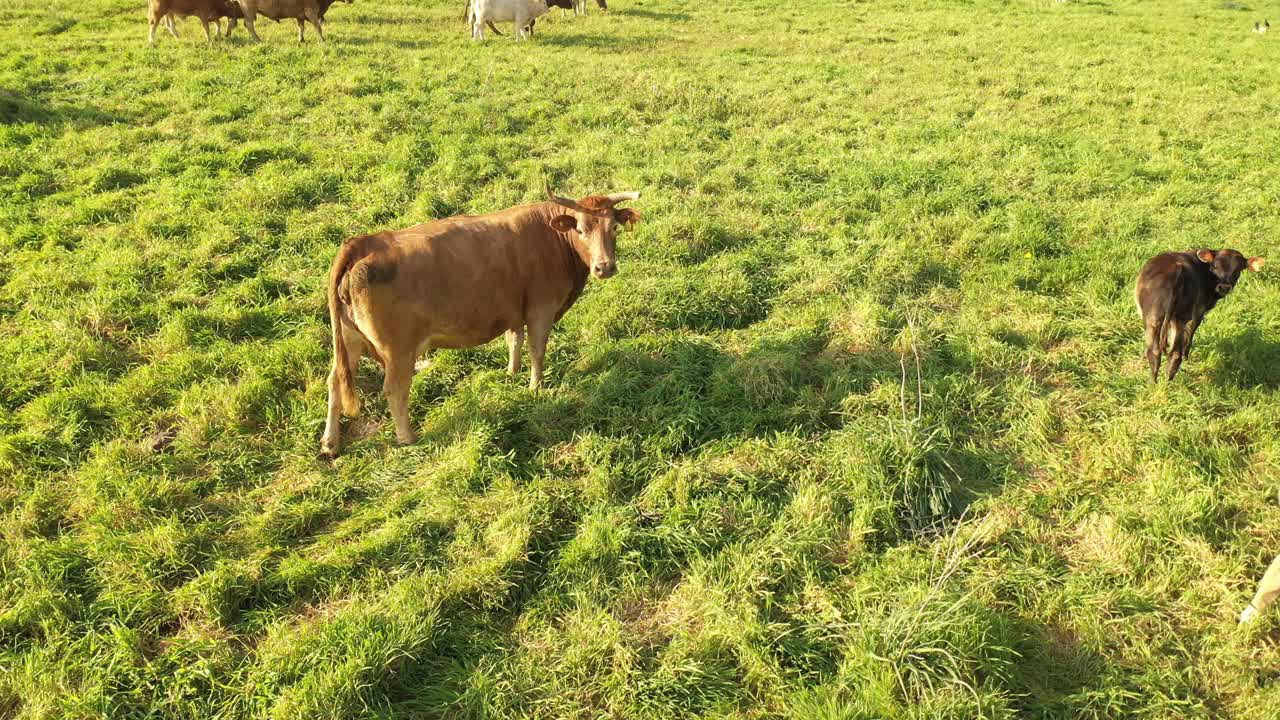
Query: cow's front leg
249, 25
207, 37
173, 27
396, 387
515, 342
313, 16
539, 330
302, 26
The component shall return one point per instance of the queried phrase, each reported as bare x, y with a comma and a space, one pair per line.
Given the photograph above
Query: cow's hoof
329, 448
406, 439
1248, 615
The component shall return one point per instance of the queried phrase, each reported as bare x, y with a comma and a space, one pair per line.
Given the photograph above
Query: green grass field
861, 429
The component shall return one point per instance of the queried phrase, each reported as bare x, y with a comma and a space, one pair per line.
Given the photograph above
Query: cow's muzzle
1224, 289
604, 269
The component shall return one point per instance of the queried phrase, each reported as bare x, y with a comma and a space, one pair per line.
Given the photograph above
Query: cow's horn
562, 200
616, 198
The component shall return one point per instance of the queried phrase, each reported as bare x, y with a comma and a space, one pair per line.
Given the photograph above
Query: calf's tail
352, 250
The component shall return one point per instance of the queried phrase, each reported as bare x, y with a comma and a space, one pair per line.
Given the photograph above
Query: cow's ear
1206, 256
628, 216
1255, 263
564, 223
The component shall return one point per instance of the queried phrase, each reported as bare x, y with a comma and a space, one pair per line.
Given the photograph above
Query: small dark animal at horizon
1175, 290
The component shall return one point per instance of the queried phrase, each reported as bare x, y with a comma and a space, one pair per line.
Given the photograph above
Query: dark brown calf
1174, 292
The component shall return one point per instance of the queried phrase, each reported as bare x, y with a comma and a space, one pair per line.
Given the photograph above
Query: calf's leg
1177, 347
396, 387
1268, 591
1154, 348
515, 340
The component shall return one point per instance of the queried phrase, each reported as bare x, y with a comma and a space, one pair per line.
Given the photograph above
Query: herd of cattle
462, 281
478, 13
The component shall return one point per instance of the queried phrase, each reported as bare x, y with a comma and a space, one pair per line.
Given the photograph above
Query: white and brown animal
1268, 591
206, 11
521, 13
303, 11
461, 282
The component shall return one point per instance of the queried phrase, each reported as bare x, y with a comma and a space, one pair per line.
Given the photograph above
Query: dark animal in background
1262, 27
205, 10
1174, 292
304, 11
460, 282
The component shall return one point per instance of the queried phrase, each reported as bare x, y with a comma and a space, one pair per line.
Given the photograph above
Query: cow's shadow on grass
17, 108
653, 15
571, 37
1245, 360
363, 41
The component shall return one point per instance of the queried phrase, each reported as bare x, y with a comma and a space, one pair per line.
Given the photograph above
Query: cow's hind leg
396, 387
302, 26
331, 441
515, 340
173, 27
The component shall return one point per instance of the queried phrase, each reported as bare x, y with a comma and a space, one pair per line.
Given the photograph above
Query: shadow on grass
16, 108
654, 15
1249, 360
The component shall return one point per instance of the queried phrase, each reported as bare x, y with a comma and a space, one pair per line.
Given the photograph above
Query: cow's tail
352, 250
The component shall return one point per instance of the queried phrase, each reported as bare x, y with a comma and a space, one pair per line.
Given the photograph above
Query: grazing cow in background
521, 13
205, 10
1174, 292
468, 17
460, 282
304, 11
1268, 591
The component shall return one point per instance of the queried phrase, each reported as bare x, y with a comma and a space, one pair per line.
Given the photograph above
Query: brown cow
204, 10
460, 282
303, 11
1175, 290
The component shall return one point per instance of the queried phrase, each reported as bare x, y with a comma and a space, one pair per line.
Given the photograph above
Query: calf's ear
628, 216
1206, 256
1255, 263
564, 223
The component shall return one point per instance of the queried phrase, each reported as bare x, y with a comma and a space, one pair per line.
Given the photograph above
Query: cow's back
465, 280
